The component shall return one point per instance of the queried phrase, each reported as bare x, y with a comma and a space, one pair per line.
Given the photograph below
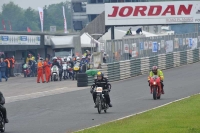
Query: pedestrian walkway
19, 86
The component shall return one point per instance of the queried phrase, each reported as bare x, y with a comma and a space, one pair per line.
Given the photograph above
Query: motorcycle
155, 87
2, 123
100, 100
54, 73
27, 71
76, 70
64, 71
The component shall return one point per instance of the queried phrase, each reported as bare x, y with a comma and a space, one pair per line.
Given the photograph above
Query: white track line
137, 113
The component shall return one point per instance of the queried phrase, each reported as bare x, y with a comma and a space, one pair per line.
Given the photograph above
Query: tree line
20, 18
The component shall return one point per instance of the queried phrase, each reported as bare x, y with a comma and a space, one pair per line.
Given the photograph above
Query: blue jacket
3, 67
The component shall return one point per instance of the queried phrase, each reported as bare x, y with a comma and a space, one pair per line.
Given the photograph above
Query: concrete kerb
138, 113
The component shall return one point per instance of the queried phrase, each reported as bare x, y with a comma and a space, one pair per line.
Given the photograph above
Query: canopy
62, 41
86, 41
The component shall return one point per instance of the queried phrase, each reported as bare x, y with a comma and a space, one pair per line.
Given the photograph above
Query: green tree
31, 20
53, 16
23, 18
14, 14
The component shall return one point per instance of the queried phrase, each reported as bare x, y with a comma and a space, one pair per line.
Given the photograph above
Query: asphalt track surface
75, 110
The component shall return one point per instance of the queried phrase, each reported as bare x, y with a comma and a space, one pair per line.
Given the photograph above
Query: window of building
120, 0
113, 1
106, 1
128, 0
99, 1
92, 1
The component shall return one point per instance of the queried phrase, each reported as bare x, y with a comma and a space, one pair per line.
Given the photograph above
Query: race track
75, 110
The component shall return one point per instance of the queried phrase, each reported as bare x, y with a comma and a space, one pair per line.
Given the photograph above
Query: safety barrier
130, 68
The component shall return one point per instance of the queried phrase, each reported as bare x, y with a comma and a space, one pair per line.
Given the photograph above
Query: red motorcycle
155, 87
27, 72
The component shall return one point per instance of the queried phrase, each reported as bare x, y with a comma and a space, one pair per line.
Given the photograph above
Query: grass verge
179, 117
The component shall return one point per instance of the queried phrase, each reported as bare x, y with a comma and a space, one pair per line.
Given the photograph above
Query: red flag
10, 26
4, 26
28, 29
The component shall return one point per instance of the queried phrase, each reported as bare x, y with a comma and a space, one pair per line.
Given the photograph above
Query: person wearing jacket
40, 71
2, 108
129, 32
55, 62
7, 72
2, 69
47, 69
159, 73
101, 81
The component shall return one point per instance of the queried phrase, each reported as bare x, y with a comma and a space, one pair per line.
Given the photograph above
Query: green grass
178, 117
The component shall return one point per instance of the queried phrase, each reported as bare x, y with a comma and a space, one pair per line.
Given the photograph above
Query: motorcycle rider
158, 72
65, 68
2, 108
101, 81
55, 62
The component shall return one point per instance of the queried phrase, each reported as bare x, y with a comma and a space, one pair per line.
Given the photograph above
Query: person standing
40, 71
47, 69
2, 69
7, 72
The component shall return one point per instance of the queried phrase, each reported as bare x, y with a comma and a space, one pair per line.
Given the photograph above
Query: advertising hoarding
146, 13
19, 40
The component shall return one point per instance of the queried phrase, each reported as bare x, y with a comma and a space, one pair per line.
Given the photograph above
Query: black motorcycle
100, 100
2, 123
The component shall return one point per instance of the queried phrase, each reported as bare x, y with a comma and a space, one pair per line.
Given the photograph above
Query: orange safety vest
13, 61
40, 65
6, 60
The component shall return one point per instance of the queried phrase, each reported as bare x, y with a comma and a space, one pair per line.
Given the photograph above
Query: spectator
2, 69
138, 31
7, 72
129, 32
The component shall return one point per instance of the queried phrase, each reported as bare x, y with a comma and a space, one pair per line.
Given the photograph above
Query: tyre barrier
90, 80
82, 80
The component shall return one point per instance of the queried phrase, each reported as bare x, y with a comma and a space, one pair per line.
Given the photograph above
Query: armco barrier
130, 68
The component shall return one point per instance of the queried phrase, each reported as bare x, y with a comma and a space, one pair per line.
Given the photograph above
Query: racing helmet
54, 58
68, 59
154, 69
77, 58
100, 74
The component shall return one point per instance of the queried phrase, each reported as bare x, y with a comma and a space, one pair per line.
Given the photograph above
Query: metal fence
133, 48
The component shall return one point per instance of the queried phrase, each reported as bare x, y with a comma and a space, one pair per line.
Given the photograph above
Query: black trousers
106, 95
3, 110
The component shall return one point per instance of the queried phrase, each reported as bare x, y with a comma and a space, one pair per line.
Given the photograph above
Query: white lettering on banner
139, 13
179, 20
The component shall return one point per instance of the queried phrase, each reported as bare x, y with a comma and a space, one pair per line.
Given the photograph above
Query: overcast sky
31, 3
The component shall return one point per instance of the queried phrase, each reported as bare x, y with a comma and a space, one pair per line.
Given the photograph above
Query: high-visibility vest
13, 61
8, 62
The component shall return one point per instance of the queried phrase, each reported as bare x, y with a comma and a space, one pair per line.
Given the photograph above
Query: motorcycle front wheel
154, 93
99, 106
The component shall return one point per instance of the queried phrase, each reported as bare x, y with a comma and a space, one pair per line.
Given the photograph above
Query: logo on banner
152, 10
23, 38
4, 38
190, 42
155, 47
126, 48
141, 46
